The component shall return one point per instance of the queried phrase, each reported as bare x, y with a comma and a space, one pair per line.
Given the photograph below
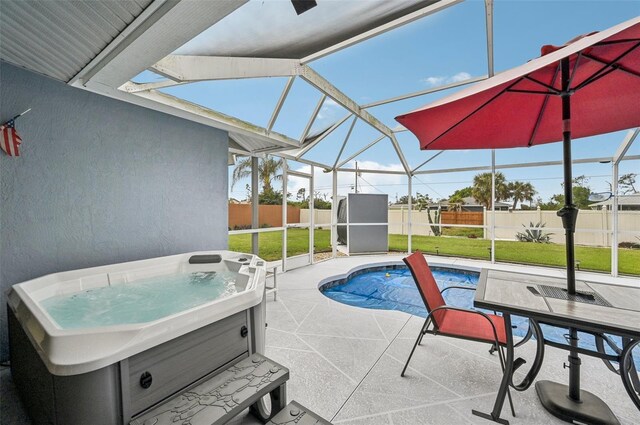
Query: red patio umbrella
587, 87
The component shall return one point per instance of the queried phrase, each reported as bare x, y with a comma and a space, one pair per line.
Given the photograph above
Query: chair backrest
426, 283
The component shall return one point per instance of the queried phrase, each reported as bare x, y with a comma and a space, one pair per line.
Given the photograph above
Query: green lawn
591, 258
271, 243
463, 231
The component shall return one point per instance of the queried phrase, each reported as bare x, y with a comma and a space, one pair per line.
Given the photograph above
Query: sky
446, 47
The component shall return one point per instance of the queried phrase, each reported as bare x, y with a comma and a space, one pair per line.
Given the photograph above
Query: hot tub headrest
205, 259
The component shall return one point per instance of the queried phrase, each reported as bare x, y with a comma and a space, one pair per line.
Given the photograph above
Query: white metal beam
426, 162
283, 97
368, 171
423, 92
625, 145
311, 145
615, 222
175, 106
488, 7
312, 221
523, 165
312, 119
361, 151
131, 87
410, 205
346, 139
201, 68
426, 11
334, 213
285, 155
285, 181
401, 157
320, 83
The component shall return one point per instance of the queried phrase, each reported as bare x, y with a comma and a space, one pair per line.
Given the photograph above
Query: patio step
295, 413
223, 396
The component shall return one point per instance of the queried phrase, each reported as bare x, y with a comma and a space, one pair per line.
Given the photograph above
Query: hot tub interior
142, 300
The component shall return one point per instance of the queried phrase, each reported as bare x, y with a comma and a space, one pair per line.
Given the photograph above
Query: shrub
534, 233
631, 245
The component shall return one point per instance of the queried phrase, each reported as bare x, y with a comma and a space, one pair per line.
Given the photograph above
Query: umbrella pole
581, 406
569, 214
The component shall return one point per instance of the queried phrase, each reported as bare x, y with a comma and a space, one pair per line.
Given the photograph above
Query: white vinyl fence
593, 227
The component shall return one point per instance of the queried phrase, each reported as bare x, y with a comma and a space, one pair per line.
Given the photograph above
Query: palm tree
269, 170
481, 190
520, 192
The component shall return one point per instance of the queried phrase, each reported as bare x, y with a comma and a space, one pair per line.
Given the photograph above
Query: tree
456, 200
404, 200
481, 190
422, 202
272, 197
520, 192
580, 190
301, 194
627, 182
269, 170
465, 192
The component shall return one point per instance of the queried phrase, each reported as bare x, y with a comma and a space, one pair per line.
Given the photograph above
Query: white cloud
330, 102
440, 80
434, 81
328, 110
460, 76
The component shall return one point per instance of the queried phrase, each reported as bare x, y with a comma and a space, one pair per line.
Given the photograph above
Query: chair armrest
493, 326
470, 288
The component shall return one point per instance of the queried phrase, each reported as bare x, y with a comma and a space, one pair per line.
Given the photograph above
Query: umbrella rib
506, 89
594, 79
541, 114
608, 43
617, 67
611, 64
575, 66
546, 93
547, 86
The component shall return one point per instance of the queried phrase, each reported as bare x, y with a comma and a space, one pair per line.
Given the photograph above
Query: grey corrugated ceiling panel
271, 28
249, 143
58, 38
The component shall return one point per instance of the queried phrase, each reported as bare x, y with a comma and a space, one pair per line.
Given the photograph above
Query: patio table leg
628, 371
506, 378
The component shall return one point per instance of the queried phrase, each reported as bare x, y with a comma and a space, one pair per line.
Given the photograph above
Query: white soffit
271, 28
171, 24
57, 38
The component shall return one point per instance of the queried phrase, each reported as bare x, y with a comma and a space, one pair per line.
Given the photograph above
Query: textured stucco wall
101, 181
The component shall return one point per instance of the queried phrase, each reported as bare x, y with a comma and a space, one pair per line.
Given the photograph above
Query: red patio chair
453, 321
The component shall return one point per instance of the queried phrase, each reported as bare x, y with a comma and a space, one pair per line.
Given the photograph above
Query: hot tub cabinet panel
178, 363
88, 398
166, 360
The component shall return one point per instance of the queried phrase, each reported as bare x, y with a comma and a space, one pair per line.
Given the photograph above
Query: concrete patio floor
345, 362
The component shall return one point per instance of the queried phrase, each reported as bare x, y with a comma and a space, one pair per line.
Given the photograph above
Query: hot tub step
225, 395
295, 413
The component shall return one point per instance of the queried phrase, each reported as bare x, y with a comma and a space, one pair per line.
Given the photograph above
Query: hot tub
74, 374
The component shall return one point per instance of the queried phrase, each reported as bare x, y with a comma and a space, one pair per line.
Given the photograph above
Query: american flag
9, 139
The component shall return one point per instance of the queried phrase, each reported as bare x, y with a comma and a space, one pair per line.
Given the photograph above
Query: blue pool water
393, 288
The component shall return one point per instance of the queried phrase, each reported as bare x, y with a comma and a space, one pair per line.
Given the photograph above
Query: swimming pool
390, 286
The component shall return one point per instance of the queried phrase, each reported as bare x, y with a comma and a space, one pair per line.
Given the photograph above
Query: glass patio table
598, 309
